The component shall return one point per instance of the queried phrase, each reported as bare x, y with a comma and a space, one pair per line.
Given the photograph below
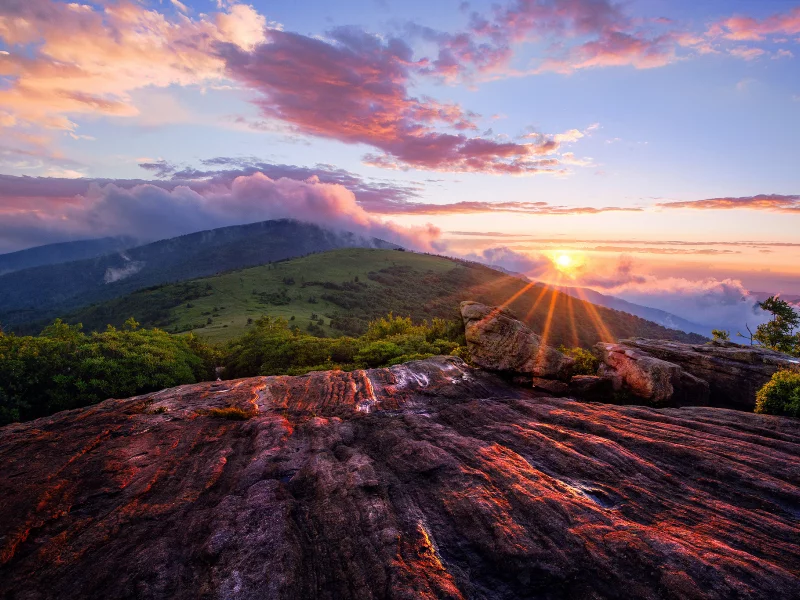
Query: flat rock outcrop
424, 480
734, 372
498, 341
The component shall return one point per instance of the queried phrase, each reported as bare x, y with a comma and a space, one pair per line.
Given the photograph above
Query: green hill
42, 293
338, 292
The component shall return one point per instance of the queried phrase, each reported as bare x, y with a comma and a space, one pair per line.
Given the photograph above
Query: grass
232, 413
339, 292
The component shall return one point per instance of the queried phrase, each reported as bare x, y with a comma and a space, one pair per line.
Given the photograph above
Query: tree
779, 332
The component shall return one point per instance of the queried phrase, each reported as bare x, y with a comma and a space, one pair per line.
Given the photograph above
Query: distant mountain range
645, 312
50, 290
64, 252
166, 282
340, 291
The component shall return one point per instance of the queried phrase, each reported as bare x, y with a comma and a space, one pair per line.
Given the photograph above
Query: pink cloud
150, 211
354, 88
770, 202
743, 28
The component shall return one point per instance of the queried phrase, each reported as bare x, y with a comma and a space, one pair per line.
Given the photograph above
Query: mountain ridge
47, 291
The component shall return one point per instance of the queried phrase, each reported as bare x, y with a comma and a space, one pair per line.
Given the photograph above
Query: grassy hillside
338, 292
45, 292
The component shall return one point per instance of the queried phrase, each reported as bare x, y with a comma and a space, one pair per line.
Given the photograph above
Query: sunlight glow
566, 262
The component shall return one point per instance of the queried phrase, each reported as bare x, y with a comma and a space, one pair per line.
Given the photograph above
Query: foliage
780, 395
586, 363
272, 347
64, 368
779, 333
720, 335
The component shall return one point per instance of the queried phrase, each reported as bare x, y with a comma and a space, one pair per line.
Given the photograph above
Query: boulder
498, 341
659, 382
734, 372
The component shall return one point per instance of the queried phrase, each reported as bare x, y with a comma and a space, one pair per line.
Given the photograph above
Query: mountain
47, 291
423, 480
346, 288
645, 312
53, 254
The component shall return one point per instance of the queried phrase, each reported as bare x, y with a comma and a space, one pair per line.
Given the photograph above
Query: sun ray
597, 320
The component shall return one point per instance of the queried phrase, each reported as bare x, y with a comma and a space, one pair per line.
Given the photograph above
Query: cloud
392, 207
743, 28
656, 250
747, 53
354, 87
581, 34
715, 303
151, 212
769, 202
67, 59
510, 260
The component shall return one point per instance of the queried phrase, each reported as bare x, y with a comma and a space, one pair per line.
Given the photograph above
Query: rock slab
423, 480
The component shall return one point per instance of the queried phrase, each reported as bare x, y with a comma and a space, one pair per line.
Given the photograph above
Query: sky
646, 149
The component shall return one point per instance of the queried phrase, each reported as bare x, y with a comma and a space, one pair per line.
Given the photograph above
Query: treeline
64, 368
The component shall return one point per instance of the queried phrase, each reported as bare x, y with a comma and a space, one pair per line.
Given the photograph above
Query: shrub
780, 395
720, 335
586, 363
64, 368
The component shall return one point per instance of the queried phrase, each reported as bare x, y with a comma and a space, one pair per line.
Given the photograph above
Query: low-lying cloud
715, 303
150, 212
511, 260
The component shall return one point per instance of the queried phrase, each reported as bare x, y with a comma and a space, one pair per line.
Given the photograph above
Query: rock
498, 341
657, 381
734, 372
423, 480
551, 386
591, 388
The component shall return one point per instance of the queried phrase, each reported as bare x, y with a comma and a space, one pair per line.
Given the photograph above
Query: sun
563, 261
567, 263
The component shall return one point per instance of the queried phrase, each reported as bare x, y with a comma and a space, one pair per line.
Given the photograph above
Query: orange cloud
770, 202
68, 59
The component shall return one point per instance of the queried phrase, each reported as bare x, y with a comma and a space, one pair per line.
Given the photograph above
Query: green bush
586, 363
64, 368
780, 395
272, 347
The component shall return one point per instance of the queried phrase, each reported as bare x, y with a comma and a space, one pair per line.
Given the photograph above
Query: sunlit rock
657, 381
498, 341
